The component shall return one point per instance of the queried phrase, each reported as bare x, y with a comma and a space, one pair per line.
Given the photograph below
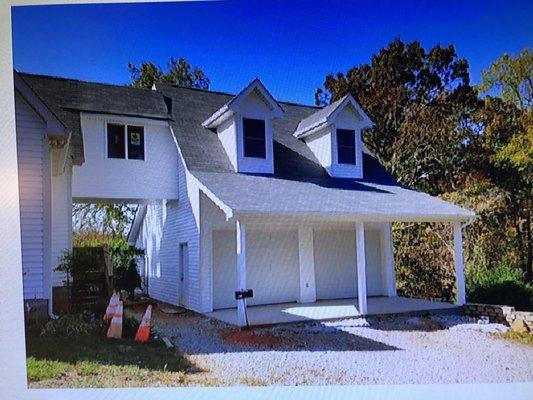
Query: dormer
333, 134
244, 127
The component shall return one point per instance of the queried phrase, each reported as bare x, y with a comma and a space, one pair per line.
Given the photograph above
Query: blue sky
291, 45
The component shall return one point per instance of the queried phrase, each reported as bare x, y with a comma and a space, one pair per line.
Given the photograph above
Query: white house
236, 192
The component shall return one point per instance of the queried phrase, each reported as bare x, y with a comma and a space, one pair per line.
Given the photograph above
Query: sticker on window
135, 138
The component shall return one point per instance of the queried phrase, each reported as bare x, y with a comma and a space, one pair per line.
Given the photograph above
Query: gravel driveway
388, 350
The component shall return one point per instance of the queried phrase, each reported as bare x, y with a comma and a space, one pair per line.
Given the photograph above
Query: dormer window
254, 136
333, 134
244, 126
346, 146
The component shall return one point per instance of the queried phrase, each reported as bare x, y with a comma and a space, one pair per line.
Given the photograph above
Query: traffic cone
115, 328
110, 310
143, 333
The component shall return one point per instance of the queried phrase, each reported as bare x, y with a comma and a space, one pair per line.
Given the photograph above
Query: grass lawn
92, 361
524, 338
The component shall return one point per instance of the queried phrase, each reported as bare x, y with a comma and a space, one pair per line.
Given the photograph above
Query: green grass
524, 338
93, 361
39, 370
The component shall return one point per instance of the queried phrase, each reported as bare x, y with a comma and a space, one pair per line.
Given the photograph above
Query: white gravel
379, 350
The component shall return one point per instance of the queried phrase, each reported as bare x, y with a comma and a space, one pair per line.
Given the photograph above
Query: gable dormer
244, 127
333, 134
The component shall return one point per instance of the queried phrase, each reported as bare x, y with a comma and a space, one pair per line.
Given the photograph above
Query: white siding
107, 178
167, 224
31, 152
61, 221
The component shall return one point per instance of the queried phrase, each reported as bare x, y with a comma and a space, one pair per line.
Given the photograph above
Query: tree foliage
420, 102
435, 132
179, 72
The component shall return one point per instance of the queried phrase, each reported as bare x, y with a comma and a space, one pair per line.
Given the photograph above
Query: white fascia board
346, 217
324, 123
218, 117
233, 106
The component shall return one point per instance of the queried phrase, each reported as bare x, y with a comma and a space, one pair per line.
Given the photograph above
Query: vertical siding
61, 221
167, 224
31, 164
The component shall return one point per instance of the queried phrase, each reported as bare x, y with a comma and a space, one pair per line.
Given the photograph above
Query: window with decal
346, 146
125, 141
135, 142
254, 138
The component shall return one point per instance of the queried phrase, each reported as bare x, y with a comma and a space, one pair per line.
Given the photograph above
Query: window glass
345, 146
254, 138
115, 141
135, 142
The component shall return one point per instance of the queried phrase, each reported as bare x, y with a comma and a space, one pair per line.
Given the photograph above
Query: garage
272, 270
335, 263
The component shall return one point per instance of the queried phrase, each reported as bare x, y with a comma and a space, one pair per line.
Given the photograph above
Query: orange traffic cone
110, 311
115, 329
143, 333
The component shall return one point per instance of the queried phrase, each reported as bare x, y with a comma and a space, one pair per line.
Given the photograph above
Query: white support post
459, 264
361, 267
307, 265
387, 251
241, 271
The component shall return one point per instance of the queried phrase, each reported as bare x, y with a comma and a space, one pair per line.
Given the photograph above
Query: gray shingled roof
319, 117
299, 184
67, 97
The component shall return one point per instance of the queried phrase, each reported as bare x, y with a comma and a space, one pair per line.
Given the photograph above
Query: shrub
500, 285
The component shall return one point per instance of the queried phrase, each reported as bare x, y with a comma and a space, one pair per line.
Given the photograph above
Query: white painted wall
107, 178
227, 135
61, 221
33, 170
167, 224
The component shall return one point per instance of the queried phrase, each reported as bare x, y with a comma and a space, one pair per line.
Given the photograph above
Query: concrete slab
324, 310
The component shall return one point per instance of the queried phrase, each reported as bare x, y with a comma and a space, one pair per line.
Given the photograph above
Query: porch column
387, 253
241, 270
307, 265
458, 261
361, 267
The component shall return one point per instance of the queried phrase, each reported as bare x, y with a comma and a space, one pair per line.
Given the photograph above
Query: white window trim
126, 153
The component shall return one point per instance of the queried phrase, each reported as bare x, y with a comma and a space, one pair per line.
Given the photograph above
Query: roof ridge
62, 78
290, 103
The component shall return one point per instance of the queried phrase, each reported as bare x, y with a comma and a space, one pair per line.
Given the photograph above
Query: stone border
505, 315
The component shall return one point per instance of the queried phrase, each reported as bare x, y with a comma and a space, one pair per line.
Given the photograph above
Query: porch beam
307, 265
459, 262
241, 271
361, 267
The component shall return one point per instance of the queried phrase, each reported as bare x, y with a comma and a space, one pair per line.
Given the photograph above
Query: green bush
500, 285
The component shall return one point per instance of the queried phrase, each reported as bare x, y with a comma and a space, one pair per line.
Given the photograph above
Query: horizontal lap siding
30, 152
165, 226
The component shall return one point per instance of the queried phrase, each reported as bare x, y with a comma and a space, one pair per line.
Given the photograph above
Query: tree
179, 72
420, 102
102, 218
512, 79
506, 144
